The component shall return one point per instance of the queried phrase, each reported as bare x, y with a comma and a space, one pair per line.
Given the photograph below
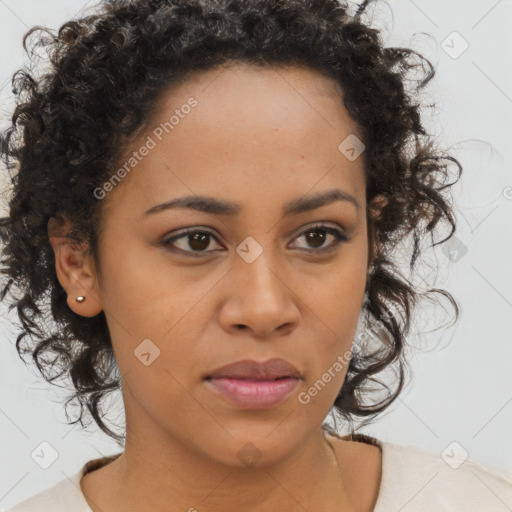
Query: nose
259, 299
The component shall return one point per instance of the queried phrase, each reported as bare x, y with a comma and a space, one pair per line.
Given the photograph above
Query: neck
156, 477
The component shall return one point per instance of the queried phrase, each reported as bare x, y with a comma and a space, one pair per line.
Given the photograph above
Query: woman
210, 195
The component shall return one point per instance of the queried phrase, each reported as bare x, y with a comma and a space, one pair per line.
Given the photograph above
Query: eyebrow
215, 206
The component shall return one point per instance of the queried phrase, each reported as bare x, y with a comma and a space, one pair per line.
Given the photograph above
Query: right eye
196, 239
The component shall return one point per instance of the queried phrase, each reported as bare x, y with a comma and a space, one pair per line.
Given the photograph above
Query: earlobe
75, 272
375, 208
377, 204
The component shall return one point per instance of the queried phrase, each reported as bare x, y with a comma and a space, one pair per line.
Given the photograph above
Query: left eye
316, 235
199, 240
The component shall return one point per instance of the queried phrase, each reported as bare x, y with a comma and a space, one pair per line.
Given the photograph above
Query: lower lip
254, 394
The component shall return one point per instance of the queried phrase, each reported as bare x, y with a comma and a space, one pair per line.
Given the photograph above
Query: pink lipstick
253, 385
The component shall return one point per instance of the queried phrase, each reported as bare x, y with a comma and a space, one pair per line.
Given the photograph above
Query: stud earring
81, 298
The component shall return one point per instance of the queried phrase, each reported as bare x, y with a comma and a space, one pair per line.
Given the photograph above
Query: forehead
239, 90
249, 127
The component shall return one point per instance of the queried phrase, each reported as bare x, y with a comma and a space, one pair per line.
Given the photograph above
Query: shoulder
64, 496
420, 479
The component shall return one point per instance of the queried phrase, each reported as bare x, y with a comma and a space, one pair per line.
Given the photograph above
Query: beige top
412, 480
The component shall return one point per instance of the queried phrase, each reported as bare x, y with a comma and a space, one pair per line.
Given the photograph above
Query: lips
273, 369
251, 385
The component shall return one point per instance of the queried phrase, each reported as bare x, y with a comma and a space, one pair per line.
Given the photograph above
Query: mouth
251, 379
251, 393
253, 385
273, 369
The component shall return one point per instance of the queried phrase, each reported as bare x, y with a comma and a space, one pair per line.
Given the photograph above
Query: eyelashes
200, 238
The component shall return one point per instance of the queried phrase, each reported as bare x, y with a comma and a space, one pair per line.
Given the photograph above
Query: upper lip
248, 369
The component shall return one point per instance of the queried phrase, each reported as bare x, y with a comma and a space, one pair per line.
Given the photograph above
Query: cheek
143, 295
335, 304
340, 311
155, 337
330, 352
334, 300
161, 366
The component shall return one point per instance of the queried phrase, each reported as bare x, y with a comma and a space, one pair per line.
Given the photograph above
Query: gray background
461, 388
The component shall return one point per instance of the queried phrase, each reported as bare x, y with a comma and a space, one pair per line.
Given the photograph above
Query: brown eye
199, 241
192, 241
316, 237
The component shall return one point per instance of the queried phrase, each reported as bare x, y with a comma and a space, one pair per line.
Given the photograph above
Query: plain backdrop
461, 387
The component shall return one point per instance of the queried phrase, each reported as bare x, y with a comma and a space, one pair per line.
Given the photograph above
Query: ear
74, 268
375, 208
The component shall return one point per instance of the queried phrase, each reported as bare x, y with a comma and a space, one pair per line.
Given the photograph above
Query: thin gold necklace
335, 459
338, 468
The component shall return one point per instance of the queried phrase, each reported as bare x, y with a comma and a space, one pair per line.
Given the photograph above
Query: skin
260, 137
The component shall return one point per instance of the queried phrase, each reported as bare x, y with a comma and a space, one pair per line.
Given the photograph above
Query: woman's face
259, 284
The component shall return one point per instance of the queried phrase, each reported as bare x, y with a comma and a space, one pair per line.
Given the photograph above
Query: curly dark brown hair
74, 120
